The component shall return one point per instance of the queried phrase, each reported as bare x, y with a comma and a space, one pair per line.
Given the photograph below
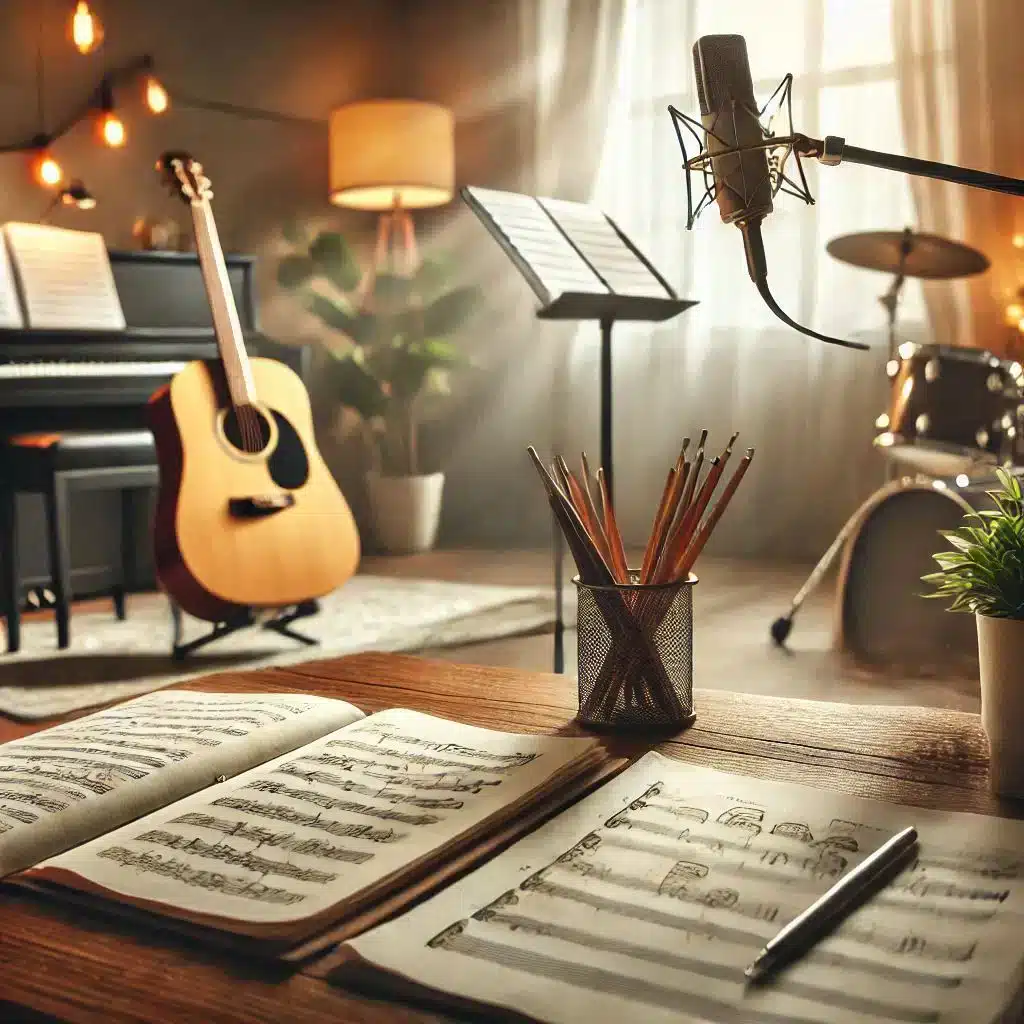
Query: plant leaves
294, 271
445, 315
334, 259
357, 389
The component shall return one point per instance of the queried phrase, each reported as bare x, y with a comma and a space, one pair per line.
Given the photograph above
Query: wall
298, 58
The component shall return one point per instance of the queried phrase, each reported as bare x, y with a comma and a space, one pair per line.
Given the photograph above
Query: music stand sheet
525, 229
593, 235
647, 900
65, 278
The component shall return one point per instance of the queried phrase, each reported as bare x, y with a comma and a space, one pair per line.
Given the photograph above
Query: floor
735, 605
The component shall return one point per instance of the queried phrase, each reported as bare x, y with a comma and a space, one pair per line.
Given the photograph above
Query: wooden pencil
697, 545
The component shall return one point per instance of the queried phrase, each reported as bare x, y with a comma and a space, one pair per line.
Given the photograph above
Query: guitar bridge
259, 505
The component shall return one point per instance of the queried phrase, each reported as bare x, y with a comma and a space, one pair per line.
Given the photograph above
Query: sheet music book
64, 278
646, 900
578, 262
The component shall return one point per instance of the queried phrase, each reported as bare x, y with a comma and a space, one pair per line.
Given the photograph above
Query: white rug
110, 660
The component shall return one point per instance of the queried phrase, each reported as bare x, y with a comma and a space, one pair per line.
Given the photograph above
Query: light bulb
156, 96
46, 170
112, 129
1013, 313
1018, 240
86, 30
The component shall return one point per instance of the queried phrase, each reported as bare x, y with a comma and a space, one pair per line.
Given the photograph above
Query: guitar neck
230, 342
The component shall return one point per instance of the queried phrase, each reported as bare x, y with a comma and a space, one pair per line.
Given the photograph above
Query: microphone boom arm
833, 150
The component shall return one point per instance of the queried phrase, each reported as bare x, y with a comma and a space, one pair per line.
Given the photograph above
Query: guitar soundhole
247, 429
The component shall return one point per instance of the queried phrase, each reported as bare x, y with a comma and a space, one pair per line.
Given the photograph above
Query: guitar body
235, 528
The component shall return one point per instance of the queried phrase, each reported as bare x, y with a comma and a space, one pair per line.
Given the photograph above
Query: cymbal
930, 256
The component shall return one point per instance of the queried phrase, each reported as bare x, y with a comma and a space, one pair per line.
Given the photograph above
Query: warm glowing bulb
47, 171
156, 96
1018, 240
86, 31
112, 129
1014, 312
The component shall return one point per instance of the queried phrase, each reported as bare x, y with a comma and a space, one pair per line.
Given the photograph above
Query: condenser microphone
735, 143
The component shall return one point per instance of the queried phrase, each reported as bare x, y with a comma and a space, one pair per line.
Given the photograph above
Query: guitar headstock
184, 176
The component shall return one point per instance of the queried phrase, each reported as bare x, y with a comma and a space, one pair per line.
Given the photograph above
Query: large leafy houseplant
984, 571
396, 330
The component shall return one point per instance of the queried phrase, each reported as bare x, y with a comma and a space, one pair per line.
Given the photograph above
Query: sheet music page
10, 305
529, 230
646, 901
592, 233
296, 836
64, 785
65, 278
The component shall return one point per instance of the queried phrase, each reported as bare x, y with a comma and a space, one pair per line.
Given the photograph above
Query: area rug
109, 660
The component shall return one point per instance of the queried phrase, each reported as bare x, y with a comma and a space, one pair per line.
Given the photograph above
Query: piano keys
102, 380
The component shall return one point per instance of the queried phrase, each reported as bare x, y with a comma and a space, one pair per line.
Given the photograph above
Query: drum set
954, 415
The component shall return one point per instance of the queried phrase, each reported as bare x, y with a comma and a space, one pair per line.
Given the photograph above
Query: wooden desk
58, 962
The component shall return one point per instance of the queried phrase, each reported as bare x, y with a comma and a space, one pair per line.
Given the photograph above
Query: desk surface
59, 962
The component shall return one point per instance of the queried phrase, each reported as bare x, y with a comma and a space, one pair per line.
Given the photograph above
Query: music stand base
281, 623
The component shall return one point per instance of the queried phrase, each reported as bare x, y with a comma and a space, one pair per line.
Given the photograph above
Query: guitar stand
281, 623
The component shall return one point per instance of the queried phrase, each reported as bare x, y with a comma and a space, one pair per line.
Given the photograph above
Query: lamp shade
387, 150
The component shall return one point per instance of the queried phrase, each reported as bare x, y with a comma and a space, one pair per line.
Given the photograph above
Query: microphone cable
757, 266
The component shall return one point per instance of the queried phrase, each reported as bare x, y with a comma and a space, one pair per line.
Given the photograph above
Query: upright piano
95, 380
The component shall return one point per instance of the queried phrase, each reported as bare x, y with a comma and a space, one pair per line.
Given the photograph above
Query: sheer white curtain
728, 364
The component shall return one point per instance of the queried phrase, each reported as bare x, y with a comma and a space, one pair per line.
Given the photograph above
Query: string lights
86, 34
84, 28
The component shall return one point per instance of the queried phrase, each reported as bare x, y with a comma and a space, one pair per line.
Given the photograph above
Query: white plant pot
1001, 658
406, 510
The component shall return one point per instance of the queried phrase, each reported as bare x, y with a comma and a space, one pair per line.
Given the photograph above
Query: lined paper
592, 234
64, 277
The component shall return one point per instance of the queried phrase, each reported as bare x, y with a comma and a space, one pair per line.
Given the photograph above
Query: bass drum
882, 617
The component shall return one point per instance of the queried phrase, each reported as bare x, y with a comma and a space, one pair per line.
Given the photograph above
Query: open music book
265, 816
646, 900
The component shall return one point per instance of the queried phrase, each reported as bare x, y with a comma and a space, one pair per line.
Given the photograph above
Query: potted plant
391, 352
984, 574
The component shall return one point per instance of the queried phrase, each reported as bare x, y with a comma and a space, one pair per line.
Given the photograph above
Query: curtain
959, 70
728, 364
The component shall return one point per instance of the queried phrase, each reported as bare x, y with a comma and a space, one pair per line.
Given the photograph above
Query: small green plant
984, 573
396, 334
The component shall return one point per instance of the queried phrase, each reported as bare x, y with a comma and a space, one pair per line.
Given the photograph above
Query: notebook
646, 900
267, 818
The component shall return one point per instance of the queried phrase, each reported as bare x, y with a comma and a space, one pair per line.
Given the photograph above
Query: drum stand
782, 626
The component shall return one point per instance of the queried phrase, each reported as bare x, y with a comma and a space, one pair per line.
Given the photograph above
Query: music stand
581, 266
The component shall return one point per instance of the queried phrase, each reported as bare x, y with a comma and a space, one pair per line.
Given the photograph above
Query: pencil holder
635, 654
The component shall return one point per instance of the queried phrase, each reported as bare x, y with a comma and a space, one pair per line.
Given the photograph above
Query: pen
800, 934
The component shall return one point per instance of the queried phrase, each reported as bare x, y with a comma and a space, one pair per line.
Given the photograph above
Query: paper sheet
300, 834
65, 278
64, 785
646, 901
10, 306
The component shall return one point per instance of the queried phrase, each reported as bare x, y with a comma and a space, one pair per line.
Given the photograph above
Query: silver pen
804, 930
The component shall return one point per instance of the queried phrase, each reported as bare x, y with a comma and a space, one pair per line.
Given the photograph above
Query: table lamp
392, 156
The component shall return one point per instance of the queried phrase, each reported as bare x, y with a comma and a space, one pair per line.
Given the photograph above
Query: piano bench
56, 465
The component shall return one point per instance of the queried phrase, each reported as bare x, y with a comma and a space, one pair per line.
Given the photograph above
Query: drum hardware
927, 428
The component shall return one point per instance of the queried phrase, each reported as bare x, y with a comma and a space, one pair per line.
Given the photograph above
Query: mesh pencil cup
635, 655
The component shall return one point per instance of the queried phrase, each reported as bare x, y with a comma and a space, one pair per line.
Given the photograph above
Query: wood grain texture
63, 962
212, 562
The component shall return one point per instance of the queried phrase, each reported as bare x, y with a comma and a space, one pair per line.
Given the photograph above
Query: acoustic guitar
248, 515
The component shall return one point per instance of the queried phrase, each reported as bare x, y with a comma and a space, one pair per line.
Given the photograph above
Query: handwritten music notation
650, 897
323, 822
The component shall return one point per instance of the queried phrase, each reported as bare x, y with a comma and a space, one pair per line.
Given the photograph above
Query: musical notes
647, 899
67, 784
326, 821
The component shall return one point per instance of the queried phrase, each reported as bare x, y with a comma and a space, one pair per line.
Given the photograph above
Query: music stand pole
606, 402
